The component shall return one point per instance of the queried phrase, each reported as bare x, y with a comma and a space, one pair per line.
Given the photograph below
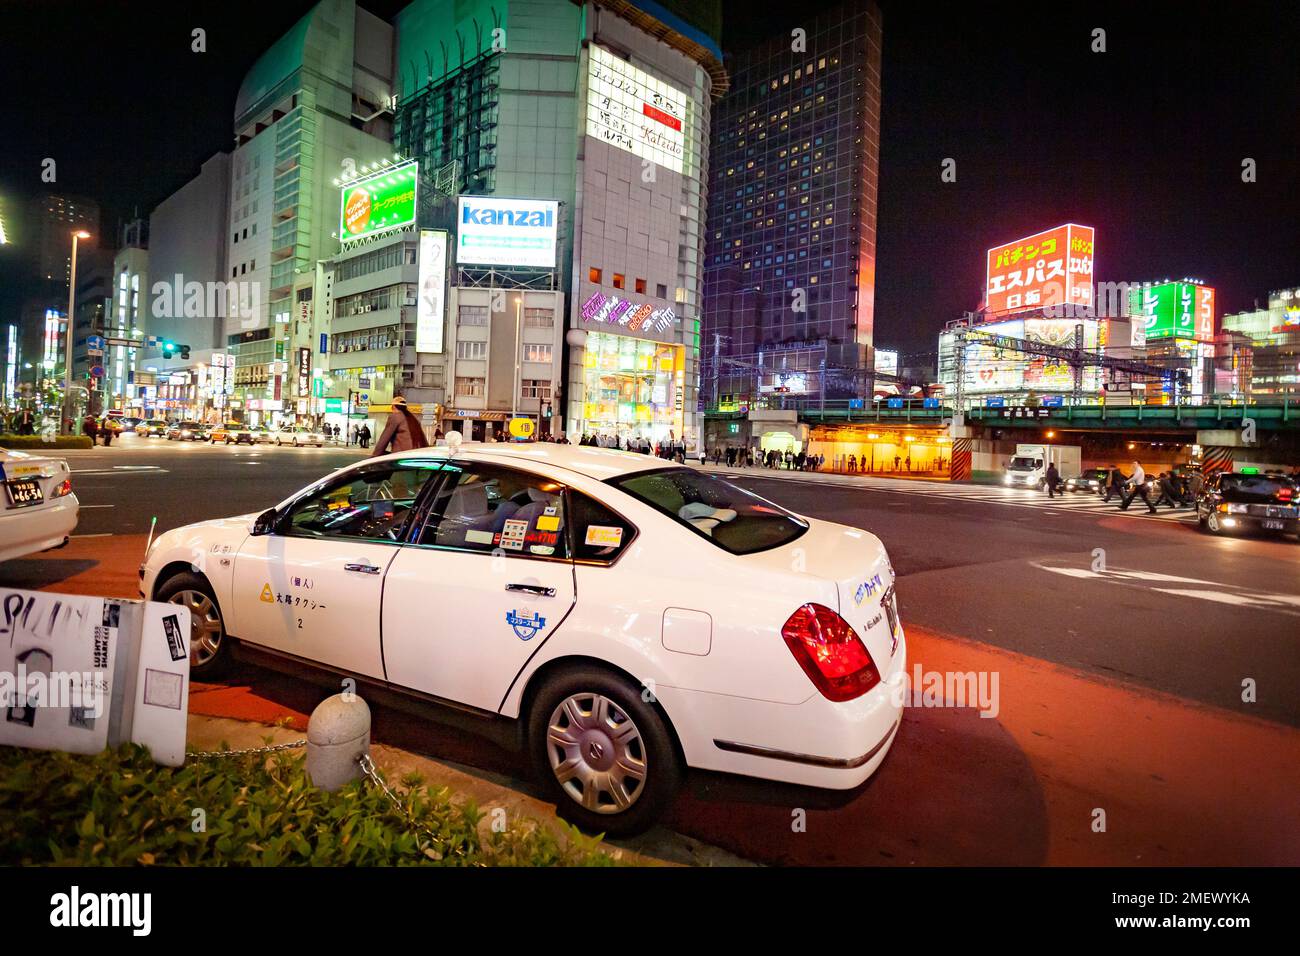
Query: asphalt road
1120, 645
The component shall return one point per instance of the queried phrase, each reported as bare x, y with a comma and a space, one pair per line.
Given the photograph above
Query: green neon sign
383, 201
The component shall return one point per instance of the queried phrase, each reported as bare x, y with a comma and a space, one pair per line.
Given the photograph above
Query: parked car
153, 428
38, 510
297, 435
629, 617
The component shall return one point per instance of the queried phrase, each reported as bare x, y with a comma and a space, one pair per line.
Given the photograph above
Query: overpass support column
1222, 449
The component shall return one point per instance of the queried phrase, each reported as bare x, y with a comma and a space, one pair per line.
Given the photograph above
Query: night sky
1145, 141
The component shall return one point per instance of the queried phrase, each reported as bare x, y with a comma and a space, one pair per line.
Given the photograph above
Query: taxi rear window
732, 518
1257, 486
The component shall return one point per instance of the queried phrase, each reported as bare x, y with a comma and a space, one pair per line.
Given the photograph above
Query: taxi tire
188, 581
664, 776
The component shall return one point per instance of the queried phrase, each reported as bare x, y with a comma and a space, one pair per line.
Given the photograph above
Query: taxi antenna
153, 523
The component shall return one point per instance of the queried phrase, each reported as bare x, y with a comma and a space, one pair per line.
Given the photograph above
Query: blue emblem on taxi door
526, 626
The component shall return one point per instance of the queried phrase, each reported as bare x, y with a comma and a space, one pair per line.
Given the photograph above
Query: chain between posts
368, 769
270, 748
435, 842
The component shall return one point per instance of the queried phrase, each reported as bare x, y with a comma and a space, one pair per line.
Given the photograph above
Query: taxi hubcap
596, 753
205, 625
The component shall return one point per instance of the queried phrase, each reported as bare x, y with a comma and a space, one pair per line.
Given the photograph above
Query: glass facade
632, 388
790, 250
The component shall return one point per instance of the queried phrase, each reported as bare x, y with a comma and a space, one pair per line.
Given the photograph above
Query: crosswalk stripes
1077, 502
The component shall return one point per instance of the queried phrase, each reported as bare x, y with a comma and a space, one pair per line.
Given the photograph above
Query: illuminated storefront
633, 388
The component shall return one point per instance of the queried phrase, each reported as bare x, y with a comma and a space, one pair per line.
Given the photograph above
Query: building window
619, 280
539, 318
469, 387
640, 286
661, 290
471, 350
594, 275
536, 388
472, 315
536, 353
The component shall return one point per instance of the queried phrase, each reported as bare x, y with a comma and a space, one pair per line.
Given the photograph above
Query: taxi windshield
734, 519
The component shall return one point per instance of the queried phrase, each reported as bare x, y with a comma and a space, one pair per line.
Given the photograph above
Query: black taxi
1249, 500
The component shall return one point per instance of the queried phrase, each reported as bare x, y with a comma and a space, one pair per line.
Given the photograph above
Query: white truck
1028, 469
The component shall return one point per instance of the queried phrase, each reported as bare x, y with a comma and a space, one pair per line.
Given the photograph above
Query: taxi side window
491, 509
598, 533
372, 504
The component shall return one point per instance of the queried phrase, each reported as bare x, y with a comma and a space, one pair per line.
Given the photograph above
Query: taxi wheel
605, 756
209, 648
1212, 524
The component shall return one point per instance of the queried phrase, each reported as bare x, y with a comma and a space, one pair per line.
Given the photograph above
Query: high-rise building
314, 107
602, 109
46, 243
791, 250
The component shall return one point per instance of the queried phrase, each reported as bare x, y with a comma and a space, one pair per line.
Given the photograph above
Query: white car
298, 435
631, 617
37, 507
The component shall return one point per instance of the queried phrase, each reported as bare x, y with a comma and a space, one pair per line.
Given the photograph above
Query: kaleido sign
612, 310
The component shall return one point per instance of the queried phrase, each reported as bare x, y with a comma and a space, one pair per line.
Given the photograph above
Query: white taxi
37, 507
297, 435
631, 617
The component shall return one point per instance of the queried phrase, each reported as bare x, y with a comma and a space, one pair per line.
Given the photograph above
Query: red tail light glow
830, 653
63, 488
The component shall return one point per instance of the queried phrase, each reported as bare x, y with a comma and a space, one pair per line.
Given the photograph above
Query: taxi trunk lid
856, 567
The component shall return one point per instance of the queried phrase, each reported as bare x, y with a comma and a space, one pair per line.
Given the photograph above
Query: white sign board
506, 232
433, 285
79, 674
630, 109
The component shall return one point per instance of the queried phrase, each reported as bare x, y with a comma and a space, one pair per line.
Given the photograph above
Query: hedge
120, 809
26, 442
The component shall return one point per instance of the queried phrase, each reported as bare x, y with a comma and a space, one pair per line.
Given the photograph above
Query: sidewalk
657, 847
829, 477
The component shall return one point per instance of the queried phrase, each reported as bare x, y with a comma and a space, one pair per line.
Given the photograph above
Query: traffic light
185, 351
168, 349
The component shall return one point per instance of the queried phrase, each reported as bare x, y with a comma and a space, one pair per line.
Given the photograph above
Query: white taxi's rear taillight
830, 653
62, 488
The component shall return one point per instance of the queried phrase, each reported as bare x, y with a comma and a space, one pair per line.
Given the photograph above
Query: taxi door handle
532, 589
365, 568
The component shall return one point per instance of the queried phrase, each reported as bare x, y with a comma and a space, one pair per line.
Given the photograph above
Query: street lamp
72, 301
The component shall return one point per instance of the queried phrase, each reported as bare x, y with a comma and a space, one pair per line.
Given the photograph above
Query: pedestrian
853, 462
106, 429
1114, 483
909, 461
90, 428
1137, 485
402, 431
703, 456
1168, 491
896, 461
363, 436
352, 435
1051, 479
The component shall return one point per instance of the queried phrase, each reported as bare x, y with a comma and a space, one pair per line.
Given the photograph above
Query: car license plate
1272, 525
890, 604
24, 491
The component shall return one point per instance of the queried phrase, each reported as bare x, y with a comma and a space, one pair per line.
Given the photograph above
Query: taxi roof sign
521, 429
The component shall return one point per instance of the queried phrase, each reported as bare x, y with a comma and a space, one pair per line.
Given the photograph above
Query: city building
602, 110
791, 250
314, 108
47, 229
184, 297
1273, 349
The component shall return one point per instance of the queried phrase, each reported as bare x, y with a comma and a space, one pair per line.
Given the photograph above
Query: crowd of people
669, 450
1176, 488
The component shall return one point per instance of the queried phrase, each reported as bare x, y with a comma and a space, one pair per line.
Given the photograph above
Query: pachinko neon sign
612, 310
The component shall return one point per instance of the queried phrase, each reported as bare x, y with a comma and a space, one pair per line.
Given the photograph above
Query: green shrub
120, 809
30, 442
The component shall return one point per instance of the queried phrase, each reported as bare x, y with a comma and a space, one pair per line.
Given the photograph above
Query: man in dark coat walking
402, 431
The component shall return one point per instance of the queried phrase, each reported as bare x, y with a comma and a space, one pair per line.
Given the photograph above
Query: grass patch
121, 809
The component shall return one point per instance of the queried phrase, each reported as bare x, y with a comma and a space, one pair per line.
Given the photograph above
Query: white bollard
338, 735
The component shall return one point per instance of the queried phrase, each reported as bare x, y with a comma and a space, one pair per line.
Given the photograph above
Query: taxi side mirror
264, 523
